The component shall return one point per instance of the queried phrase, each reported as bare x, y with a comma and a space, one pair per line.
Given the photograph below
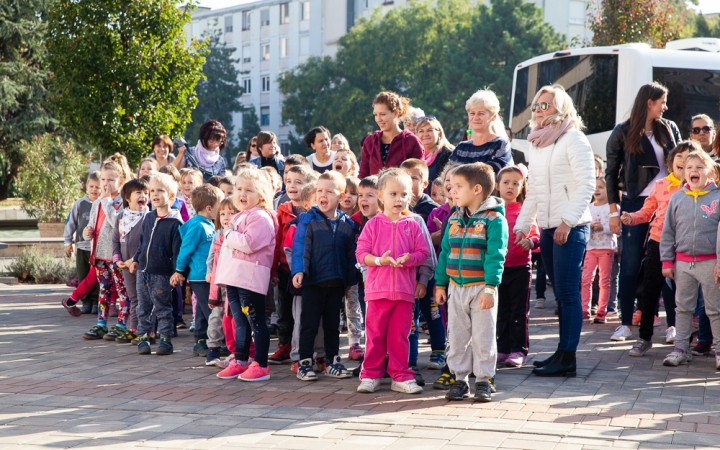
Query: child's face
246, 196
447, 183
294, 184
510, 185
437, 192
227, 189
463, 193
696, 174
598, 168
343, 163
268, 150
110, 182
146, 169
419, 183
328, 196
138, 200
395, 196
679, 164
92, 188
600, 193
349, 202
337, 144
226, 215
188, 185
367, 201
160, 196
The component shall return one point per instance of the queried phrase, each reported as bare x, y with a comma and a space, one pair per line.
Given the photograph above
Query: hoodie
197, 237
103, 216
77, 221
159, 243
403, 146
286, 213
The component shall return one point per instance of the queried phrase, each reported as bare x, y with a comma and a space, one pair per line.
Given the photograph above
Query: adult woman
269, 157
411, 117
389, 146
318, 139
205, 156
488, 143
436, 146
162, 150
702, 130
636, 153
339, 141
562, 182
251, 151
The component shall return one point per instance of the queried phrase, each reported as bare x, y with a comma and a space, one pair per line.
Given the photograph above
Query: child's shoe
69, 304
458, 391
165, 347
180, 324
418, 376
273, 330
294, 367
305, 371
637, 317
224, 351
670, 335
255, 373
86, 308
213, 356
594, 310
539, 303
482, 391
73, 283
192, 327
125, 336
701, 349
200, 348
437, 360
600, 320
368, 385
321, 364
406, 387
493, 387
516, 359
621, 333
96, 332
281, 356
94, 309
136, 341
586, 317
113, 333
444, 381
356, 353
676, 357
337, 369
224, 363
640, 347
233, 370
144, 345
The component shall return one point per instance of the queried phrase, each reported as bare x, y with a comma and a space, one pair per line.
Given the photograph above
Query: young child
345, 162
148, 166
472, 257
87, 290
197, 236
437, 191
422, 204
226, 184
126, 240
688, 250
154, 264
244, 269
439, 215
178, 204
513, 337
189, 180
99, 230
391, 245
349, 203
323, 266
290, 161
654, 282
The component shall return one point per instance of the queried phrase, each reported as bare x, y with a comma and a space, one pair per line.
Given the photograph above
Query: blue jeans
633, 240
433, 318
563, 264
254, 304
154, 298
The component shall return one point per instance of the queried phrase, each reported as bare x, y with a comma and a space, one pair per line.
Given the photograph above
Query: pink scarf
429, 158
542, 137
205, 157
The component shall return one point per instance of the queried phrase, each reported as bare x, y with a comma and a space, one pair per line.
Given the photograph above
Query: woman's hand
519, 236
615, 225
625, 218
561, 234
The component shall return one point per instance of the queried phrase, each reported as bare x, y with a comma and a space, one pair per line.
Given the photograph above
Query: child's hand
297, 280
274, 281
487, 301
120, 265
387, 260
438, 222
420, 290
402, 260
596, 226
211, 306
87, 232
669, 273
526, 244
68, 250
208, 277
132, 267
519, 236
626, 219
128, 263
176, 279
440, 295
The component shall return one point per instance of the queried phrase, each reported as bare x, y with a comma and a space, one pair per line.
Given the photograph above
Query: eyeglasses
543, 105
705, 129
420, 119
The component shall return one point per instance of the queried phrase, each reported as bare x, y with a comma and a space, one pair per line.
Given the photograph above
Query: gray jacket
76, 223
111, 207
124, 249
691, 226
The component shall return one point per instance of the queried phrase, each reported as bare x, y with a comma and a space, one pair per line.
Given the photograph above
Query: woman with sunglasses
702, 130
251, 152
437, 148
561, 184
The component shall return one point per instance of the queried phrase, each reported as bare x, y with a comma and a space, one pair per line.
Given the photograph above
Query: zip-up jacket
424, 206
125, 248
286, 213
656, 204
516, 255
197, 236
474, 249
77, 221
102, 238
403, 146
159, 243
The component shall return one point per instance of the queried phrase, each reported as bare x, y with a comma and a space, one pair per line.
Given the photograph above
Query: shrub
35, 265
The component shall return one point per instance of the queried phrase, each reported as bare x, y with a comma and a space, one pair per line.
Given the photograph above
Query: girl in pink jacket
243, 267
391, 245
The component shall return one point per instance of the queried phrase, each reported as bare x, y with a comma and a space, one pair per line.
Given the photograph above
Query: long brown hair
638, 116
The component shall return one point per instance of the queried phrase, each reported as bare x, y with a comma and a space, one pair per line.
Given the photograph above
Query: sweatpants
215, 332
89, 294
353, 312
248, 310
131, 288
285, 322
154, 299
473, 348
387, 328
432, 312
85, 288
688, 277
111, 280
201, 290
512, 310
602, 260
321, 304
295, 342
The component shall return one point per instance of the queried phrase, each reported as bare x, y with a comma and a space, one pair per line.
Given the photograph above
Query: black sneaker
482, 391
305, 370
165, 347
96, 332
224, 351
125, 337
337, 369
213, 356
200, 348
444, 381
418, 376
180, 324
144, 347
458, 391
136, 341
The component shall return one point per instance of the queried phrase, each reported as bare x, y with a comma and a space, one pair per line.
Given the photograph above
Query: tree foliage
706, 26
123, 71
651, 21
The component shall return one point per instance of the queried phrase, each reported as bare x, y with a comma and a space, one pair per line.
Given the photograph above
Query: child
473, 254
126, 241
345, 162
226, 185
178, 204
513, 338
323, 266
197, 236
99, 230
422, 204
349, 203
87, 290
148, 166
290, 161
439, 215
391, 245
437, 191
244, 269
189, 180
689, 243
154, 264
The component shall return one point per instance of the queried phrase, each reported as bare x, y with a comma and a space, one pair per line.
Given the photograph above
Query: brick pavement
59, 391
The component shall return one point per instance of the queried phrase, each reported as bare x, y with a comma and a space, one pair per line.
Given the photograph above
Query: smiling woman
205, 156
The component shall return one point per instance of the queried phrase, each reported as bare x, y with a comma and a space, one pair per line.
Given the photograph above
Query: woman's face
213, 143
161, 152
657, 107
337, 144
540, 115
706, 132
322, 143
409, 125
386, 119
480, 119
253, 148
268, 149
428, 135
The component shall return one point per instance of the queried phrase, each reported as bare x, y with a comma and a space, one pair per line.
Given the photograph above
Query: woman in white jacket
560, 188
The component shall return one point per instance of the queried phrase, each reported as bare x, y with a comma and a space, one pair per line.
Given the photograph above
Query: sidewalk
59, 391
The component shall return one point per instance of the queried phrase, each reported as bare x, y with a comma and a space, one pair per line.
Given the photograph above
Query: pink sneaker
516, 359
224, 363
255, 373
356, 352
233, 370
502, 358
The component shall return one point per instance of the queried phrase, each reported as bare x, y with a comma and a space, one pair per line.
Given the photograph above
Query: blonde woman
437, 148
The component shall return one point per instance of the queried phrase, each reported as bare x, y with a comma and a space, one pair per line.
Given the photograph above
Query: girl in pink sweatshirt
391, 245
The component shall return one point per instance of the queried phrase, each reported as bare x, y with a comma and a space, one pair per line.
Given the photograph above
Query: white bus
603, 82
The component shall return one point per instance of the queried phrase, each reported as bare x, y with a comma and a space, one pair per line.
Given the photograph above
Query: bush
37, 266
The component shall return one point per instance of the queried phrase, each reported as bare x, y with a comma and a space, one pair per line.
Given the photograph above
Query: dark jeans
705, 335
253, 318
178, 302
653, 285
285, 321
512, 314
321, 303
201, 290
433, 318
540, 275
82, 262
563, 264
154, 298
633, 239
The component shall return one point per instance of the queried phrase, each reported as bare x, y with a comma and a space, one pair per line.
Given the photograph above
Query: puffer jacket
561, 184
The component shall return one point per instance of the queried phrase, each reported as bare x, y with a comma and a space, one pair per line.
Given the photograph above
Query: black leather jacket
632, 173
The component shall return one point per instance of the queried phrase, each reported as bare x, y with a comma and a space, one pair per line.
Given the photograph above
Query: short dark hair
134, 185
478, 173
304, 170
215, 180
94, 175
684, 146
206, 195
226, 180
296, 160
264, 137
310, 135
213, 129
172, 171
369, 182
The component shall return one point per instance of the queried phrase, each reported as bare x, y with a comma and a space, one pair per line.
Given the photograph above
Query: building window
264, 17
264, 116
285, 13
266, 84
246, 54
285, 148
228, 24
304, 45
265, 48
246, 20
247, 85
284, 47
305, 11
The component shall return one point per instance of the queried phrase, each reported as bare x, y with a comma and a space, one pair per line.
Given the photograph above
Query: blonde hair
277, 181
226, 203
153, 163
308, 192
261, 181
353, 158
343, 139
113, 166
191, 172
486, 99
564, 105
335, 177
703, 157
167, 181
122, 162
437, 126
399, 175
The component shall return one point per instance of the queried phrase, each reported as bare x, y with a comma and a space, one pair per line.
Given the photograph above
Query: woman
636, 153
389, 146
205, 156
251, 152
339, 141
561, 184
437, 148
702, 130
488, 142
162, 150
266, 143
318, 139
411, 118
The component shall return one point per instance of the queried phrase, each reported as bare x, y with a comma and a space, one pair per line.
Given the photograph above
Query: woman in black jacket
636, 153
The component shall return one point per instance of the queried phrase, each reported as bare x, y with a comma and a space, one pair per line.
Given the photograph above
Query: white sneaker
540, 303
621, 333
406, 387
368, 385
676, 357
670, 335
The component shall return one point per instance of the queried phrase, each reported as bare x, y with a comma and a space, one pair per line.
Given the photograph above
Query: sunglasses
253, 145
697, 130
420, 119
542, 105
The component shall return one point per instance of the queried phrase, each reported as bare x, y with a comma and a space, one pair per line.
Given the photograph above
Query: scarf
696, 194
542, 137
674, 181
129, 219
429, 158
205, 157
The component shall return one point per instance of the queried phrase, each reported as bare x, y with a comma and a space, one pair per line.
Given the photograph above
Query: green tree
706, 26
23, 89
250, 128
651, 21
123, 71
219, 93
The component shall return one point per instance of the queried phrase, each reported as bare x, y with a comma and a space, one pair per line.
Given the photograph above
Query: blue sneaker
437, 360
200, 348
213, 356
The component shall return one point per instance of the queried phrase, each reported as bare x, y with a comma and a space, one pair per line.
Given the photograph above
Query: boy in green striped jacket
471, 264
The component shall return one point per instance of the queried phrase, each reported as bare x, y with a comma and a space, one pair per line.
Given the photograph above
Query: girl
339, 141
189, 180
345, 162
656, 205
688, 252
148, 166
437, 191
438, 216
243, 268
513, 338
349, 203
391, 245
599, 254
123, 162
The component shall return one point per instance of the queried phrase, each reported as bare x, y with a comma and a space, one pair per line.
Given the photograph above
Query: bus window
691, 92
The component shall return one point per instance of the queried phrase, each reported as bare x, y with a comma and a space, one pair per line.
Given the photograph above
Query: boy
296, 178
155, 260
197, 236
323, 265
422, 204
472, 257
290, 161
